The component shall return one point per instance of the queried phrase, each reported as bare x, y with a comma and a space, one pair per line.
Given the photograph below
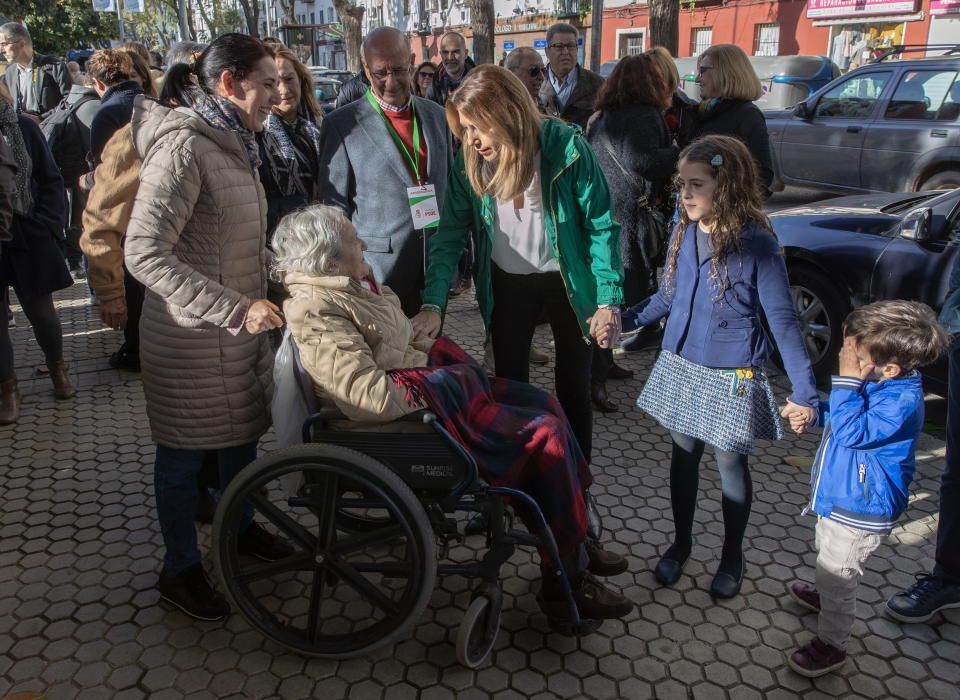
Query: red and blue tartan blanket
517, 433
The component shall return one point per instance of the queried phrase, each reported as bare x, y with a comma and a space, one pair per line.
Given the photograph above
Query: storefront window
767, 40
853, 45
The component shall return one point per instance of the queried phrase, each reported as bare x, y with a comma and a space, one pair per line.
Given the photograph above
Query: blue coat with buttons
727, 332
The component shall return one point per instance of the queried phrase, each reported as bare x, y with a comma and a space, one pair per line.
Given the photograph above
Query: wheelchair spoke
284, 522
356, 542
301, 561
362, 586
327, 516
316, 597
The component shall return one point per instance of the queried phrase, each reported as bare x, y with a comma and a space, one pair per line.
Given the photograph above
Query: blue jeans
175, 484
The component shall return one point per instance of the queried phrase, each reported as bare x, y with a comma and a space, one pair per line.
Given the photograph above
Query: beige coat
348, 337
196, 240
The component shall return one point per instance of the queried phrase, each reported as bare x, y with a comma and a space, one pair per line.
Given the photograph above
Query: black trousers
948, 530
518, 301
134, 292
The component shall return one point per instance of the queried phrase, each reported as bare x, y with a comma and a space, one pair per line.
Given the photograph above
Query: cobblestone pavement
80, 550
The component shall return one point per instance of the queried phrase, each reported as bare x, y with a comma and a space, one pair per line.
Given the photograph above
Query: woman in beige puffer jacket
196, 240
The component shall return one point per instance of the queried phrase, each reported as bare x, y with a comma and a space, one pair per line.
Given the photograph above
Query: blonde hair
308, 98
667, 66
495, 100
732, 73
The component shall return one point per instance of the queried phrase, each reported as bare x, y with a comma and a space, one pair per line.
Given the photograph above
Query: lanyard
413, 160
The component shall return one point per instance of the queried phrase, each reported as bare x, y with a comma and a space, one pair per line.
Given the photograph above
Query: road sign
539, 43
509, 45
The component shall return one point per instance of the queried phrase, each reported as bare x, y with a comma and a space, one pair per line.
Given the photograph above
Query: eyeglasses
704, 69
563, 47
534, 71
396, 72
425, 74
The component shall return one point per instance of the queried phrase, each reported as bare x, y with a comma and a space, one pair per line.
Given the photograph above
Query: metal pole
596, 34
119, 4
182, 25
266, 5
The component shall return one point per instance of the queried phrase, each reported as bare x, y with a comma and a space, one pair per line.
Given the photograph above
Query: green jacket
578, 217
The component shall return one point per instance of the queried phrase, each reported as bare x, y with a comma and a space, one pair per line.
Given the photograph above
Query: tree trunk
482, 19
351, 18
665, 24
183, 21
289, 11
596, 34
251, 13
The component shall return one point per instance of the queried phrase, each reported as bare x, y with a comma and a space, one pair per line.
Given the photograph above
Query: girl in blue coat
724, 268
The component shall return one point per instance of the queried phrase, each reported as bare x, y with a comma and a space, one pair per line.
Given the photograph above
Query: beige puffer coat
197, 241
348, 337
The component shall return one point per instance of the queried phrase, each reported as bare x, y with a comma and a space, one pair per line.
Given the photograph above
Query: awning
874, 19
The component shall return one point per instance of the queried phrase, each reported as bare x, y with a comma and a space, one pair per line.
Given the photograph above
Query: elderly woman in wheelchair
407, 433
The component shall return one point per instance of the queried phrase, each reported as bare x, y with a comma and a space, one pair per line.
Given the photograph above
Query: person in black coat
111, 71
635, 150
353, 89
46, 79
728, 87
31, 261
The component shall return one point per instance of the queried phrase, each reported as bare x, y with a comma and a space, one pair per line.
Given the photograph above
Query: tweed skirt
726, 408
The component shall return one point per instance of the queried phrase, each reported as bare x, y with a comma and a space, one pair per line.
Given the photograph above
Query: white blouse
520, 245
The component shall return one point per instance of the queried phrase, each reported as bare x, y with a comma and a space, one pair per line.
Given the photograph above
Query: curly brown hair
904, 333
110, 66
635, 80
736, 203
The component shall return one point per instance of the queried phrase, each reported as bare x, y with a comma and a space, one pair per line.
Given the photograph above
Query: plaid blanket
517, 433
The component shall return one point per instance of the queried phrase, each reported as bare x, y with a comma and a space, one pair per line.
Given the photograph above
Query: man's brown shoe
9, 402
594, 600
602, 561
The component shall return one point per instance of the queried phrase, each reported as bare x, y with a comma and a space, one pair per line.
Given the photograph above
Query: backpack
66, 139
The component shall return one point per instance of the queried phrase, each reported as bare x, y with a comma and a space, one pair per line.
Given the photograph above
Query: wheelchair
370, 515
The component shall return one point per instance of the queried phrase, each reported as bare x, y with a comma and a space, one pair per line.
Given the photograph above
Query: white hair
307, 241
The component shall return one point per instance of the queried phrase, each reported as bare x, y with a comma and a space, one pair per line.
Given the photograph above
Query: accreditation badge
424, 209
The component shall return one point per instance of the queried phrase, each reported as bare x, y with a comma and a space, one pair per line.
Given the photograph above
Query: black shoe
206, 507
191, 592
259, 543
617, 372
600, 400
669, 569
603, 562
125, 359
643, 340
477, 525
924, 599
727, 585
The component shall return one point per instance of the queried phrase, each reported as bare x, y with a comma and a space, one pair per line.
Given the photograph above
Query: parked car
326, 90
889, 126
334, 73
845, 252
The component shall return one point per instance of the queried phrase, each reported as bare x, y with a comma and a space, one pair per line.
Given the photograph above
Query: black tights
737, 491
46, 329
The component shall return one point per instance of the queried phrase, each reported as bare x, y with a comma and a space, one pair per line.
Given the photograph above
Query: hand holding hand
113, 313
426, 324
262, 316
605, 327
800, 417
850, 363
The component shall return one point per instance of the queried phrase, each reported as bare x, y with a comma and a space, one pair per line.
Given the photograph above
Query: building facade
314, 35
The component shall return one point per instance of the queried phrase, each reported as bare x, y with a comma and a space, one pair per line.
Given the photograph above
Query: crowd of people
213, 202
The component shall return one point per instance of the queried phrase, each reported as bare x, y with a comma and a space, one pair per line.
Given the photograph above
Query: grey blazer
51, 84
363, 173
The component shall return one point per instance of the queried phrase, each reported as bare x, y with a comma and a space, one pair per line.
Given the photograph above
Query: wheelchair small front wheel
478, 631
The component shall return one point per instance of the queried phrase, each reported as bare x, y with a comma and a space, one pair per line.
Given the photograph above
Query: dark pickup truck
888, 126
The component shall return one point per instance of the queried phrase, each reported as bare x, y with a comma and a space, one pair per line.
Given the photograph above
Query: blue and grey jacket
865, 463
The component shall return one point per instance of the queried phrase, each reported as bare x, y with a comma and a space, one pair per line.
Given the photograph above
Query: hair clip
716, 161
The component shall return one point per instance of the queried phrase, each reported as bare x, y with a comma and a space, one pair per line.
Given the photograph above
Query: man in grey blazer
367, 162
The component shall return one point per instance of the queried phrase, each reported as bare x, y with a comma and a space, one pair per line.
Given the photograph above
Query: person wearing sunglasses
423, 78
570, 89
525, 63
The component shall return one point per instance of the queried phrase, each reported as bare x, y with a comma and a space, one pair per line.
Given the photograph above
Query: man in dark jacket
570, 89
454, 66
36, 83
111, 71
8, 188
352, 90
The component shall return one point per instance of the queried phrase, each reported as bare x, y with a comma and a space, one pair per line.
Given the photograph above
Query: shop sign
944, 7
509, 45
857, 8
539, 43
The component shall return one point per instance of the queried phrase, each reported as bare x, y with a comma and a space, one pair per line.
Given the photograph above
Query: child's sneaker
816, 659
806, 595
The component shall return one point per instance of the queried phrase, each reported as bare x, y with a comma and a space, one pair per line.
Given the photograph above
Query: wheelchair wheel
341, 593
478, 631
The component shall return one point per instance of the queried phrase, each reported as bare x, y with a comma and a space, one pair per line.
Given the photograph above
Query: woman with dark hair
423, 78
197, 241
634, 150
290, 142
142, 74
31, 261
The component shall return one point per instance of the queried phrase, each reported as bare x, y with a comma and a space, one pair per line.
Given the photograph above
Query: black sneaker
924, 599
125, 359
191, 592
259, 543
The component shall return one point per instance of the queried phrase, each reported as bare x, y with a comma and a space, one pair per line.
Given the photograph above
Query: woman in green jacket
546, 242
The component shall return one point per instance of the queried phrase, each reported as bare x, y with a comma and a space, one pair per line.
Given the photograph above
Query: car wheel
944, 180
820, 309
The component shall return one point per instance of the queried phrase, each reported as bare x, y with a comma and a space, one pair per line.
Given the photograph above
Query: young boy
863, 469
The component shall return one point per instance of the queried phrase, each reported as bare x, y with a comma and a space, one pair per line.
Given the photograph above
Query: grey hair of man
514, 58
182, 52
307, 241
384, 41
561, 28
14, 30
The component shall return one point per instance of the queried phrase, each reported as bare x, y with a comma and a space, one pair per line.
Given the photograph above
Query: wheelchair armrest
424, 415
